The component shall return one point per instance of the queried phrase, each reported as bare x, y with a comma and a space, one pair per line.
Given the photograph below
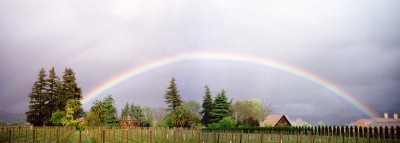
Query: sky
353, 44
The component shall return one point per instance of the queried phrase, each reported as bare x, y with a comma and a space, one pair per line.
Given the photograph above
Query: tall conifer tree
52, 91
172, 97
69, 89
207, 107
38, 99
220, 107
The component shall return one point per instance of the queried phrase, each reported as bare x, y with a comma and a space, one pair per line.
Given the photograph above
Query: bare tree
268, 109
159, 113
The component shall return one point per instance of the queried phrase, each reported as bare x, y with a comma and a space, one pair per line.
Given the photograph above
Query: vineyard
187, 135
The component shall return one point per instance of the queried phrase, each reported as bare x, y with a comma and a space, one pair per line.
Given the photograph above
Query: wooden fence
29, 134
330, 134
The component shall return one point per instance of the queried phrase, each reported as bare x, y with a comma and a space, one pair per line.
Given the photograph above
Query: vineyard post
26, 135
80, 135
33, 135
198, 137
9, 136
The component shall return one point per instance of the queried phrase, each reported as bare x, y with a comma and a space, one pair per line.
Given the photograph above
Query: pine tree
37, 114
52, 88
137, 116
172, 97
125, 113
220, 107
207, 107
69, 89
109, 111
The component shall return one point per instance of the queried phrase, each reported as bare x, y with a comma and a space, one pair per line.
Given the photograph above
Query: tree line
55, 101
51, 94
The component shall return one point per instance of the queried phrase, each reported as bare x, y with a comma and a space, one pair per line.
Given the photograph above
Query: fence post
198, 137
9, 136
103, 134
33, 135
151, 137
80, 135
241, 135
174, 132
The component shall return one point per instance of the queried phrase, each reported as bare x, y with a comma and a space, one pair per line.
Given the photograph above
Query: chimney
395, 116
386, 115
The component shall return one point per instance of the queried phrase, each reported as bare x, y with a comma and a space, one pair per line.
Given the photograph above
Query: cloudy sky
354, 44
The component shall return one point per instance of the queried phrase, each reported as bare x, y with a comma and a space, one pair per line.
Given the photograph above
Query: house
126, 121
275, 120
378, 122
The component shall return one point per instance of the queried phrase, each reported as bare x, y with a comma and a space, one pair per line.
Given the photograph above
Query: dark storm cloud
353, 44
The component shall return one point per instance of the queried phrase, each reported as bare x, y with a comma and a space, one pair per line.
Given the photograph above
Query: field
179, 135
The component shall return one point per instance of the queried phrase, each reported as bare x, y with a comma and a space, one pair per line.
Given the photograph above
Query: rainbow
230, 57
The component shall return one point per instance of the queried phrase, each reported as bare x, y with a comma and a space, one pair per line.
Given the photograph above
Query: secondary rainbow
229, 57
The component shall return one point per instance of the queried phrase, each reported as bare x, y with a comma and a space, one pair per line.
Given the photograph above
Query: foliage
17, 122
102, 112
220, 107
193, 116
137, 116
226, 122
109, 111
161, 124
148, 113
73, 106
244, 109
207, 107
37, 105
51, 94
186, 115
213, 125
172, 96
57, 117
125, 114
92, 119
179, 117
2, 123
69, 90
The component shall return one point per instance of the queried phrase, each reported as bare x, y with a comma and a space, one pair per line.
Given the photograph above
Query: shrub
227, 122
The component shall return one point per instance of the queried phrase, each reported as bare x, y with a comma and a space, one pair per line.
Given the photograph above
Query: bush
213, 126
161, 124
227, 122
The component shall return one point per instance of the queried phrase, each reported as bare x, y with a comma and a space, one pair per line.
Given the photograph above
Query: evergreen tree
172, 97
109, 111
37, 114
125, 113
137, 116
207, 107
103, 111
69, 89
220, 107
52, 91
